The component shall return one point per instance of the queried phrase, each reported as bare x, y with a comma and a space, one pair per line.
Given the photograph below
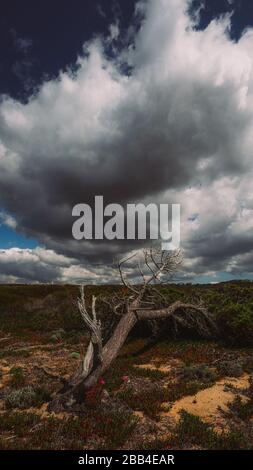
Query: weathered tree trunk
139, 306
83, 381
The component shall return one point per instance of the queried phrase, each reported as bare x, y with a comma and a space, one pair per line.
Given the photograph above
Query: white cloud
41, 265
7, 220
182, 119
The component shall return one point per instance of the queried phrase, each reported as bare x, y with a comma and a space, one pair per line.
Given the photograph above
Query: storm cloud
177, 127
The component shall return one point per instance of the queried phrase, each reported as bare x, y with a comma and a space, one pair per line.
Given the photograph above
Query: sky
138, 101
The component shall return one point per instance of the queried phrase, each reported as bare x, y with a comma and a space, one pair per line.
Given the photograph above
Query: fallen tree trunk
139, 306
75, 390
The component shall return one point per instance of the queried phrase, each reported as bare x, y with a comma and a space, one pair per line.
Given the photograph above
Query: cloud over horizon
160, 114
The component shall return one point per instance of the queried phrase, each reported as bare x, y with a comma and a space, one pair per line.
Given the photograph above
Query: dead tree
139, 304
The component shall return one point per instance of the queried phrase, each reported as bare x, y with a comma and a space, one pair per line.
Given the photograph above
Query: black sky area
38, 39
242, 13
57, 29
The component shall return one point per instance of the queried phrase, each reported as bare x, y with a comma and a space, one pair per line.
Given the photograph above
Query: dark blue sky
37, 39
40, 38
242, 11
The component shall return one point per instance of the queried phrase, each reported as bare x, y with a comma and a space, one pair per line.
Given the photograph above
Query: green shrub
58, 335
18, 422
191, 431
148, 400
198, 372
17, 376
230, 368
236, 323
21, 398
26, 397
115, 427
244, 411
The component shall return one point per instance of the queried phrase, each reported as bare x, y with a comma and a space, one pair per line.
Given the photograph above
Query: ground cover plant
155, 392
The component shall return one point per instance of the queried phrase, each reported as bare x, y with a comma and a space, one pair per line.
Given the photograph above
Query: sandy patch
42, 412
155, 365
164, 369
139, 414
208, 403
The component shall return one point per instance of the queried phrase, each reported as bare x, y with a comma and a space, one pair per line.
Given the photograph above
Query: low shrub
21, 398
191, 431
198, 372
26, 397
230, 368
17, 376
235, 322
243, 410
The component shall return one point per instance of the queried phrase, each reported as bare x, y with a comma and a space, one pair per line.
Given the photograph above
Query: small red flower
102, 381
125, 378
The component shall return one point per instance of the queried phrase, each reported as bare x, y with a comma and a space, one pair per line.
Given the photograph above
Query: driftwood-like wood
139, 306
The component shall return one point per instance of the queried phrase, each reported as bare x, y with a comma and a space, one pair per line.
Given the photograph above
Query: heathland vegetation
168, 387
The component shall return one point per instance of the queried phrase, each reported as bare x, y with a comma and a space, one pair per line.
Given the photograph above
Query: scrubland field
166, 389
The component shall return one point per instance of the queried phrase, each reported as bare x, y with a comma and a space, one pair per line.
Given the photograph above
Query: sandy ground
208, 403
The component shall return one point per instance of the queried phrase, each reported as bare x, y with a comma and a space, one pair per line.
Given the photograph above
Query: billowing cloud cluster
44, 265
177, 128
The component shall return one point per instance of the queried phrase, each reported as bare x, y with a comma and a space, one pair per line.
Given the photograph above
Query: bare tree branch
141, 304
